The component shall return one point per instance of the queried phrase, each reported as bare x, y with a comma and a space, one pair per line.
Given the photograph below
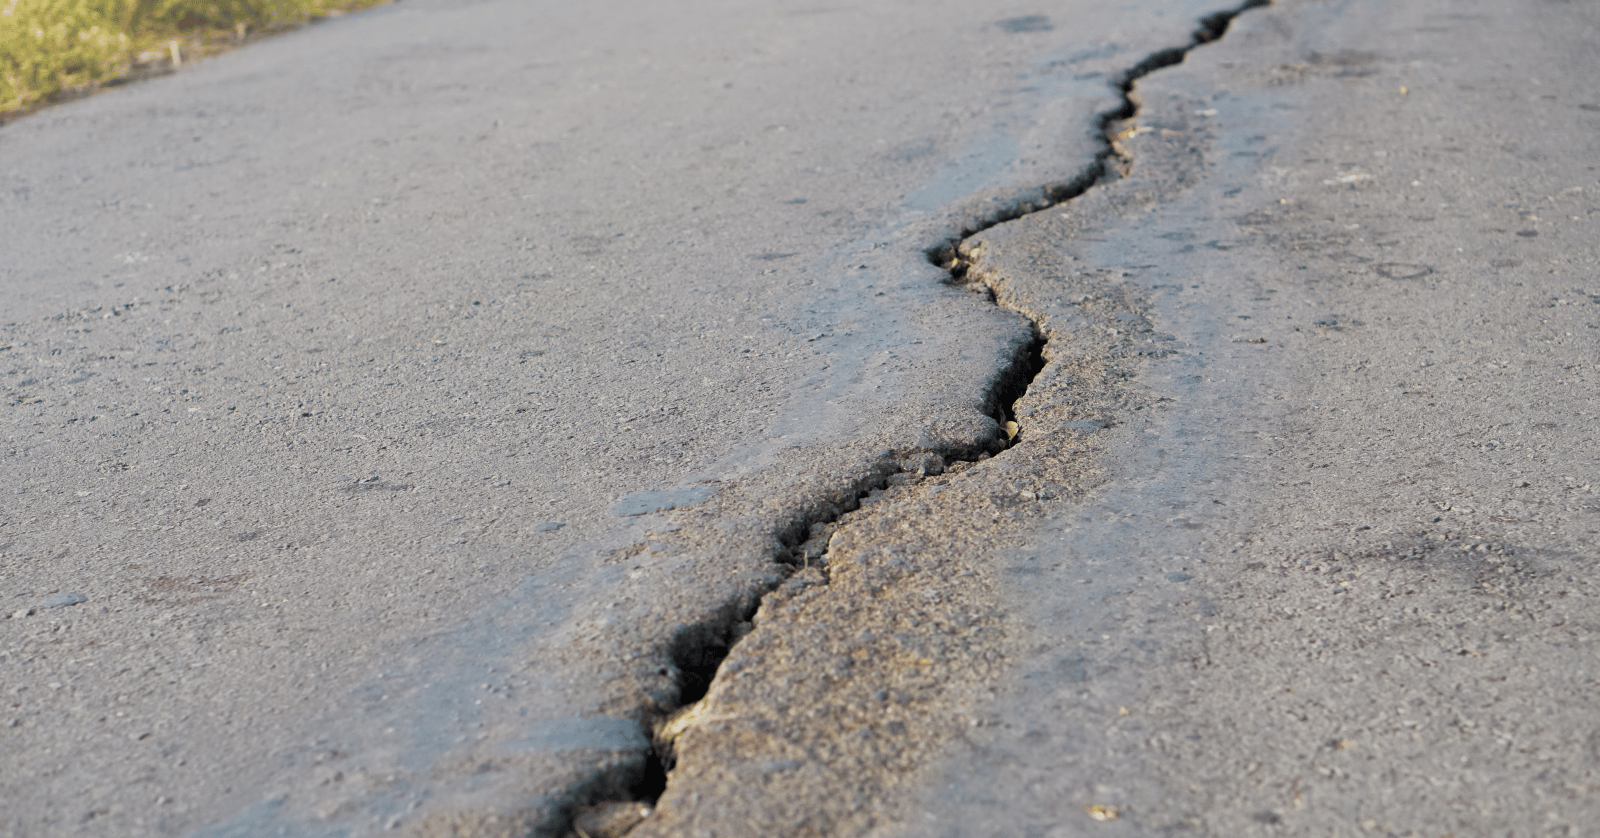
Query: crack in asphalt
698, 651
1112, 161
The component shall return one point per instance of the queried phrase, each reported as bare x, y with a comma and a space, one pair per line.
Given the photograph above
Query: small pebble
612, 819
549, 526
928, 464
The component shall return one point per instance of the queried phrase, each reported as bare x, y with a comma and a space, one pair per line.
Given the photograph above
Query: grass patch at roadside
51, 50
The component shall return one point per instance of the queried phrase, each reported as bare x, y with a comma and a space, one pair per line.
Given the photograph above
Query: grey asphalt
1357, 595
310, 349
1300, 537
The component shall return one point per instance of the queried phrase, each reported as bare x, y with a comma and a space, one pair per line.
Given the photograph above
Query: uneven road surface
463, 418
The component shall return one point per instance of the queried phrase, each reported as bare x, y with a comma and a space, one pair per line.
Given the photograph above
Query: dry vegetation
50, 49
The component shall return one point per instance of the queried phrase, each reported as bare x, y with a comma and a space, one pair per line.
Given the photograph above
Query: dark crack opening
697, 652
1106, 165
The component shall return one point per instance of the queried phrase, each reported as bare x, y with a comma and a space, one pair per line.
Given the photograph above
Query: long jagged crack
697, 652
1111, 162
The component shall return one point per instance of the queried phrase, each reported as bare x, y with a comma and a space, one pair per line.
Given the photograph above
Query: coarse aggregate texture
401, 413
1326, 567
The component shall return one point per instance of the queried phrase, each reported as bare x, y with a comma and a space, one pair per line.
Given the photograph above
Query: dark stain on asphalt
1026, 23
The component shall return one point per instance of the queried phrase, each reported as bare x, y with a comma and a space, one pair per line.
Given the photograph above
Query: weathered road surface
1300, 538
310, 347
1344, 582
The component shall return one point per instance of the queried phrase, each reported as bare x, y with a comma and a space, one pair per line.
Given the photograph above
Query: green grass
48, 46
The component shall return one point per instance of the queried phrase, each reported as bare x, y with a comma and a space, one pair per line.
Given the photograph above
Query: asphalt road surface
406, 417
